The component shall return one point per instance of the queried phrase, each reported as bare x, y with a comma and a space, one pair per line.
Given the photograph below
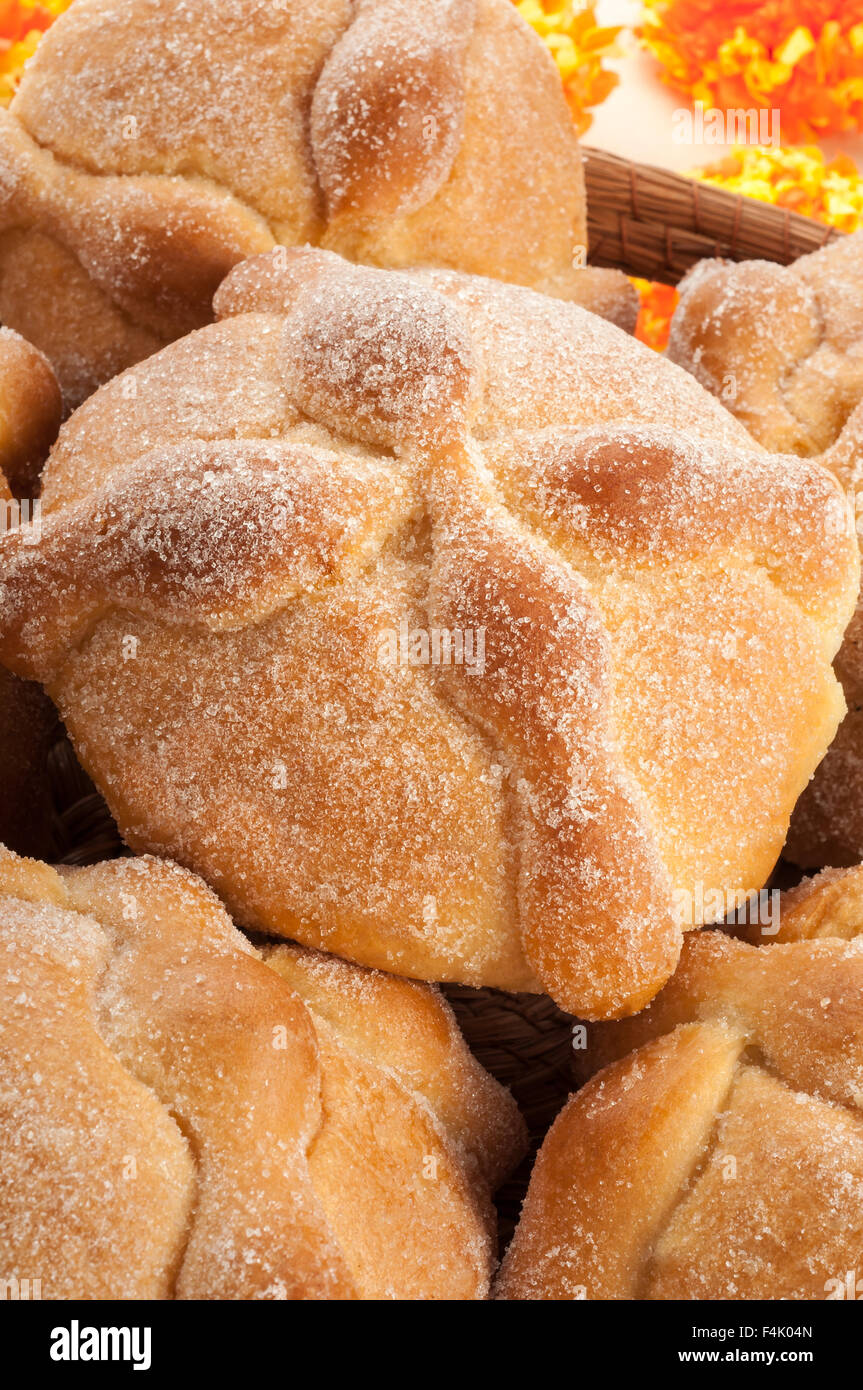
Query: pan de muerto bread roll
719, 1153
438, 624
153, 144
783, 348
184, 1117
30, 412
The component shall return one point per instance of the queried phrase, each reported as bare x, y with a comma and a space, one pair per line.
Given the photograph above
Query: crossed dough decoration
350, 449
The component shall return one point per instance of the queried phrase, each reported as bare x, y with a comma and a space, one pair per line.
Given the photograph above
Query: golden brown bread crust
830, 904
215, 1128
783, 348
30, 414
353, 450
393, 133
718, 1154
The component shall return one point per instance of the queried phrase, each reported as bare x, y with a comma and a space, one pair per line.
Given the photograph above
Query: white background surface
636, 120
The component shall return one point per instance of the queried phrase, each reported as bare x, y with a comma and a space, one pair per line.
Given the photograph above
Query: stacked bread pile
402, 606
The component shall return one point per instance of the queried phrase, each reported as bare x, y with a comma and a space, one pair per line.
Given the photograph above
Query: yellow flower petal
796, 46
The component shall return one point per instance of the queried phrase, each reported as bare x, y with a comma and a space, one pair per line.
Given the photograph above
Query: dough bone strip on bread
351, 453
185, 1116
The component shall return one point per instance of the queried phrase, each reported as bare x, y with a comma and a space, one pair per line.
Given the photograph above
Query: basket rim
657, 223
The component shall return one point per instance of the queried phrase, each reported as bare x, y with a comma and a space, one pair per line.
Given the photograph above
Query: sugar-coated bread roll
783, 348
153, 144
719, 1152
30, 412
781, 345
183, 1116
438, 624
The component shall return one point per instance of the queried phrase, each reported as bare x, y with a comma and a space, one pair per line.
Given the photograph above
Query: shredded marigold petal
803, 57
579, 46
22, 24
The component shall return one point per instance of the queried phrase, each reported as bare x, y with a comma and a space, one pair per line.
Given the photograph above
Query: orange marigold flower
22, 24
658, 303
578, 45
802, 57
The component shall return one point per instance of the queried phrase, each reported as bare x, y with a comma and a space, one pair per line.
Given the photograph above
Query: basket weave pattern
657, 224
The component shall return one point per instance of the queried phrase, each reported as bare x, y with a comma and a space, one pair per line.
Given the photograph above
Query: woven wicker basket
646, 222
650, 222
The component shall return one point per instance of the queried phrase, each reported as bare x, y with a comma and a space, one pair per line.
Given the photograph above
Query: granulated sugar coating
154, 144
718, 1152
439, 625
181, 1121
783, 346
